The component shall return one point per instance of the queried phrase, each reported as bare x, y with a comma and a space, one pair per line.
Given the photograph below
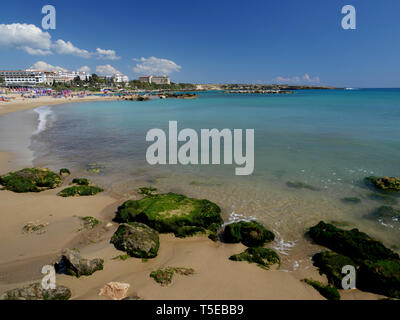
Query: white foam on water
237, 217
282, 246
44, 113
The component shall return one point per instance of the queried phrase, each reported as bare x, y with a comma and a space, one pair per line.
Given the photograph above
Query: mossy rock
386, 184
89, 222
136, 239
301, 185
30, 180
81, 181
331, 264
251, 234
77, 191
327, 291
352, 200
171, 212
64, 172
35, 291
164, 276
353, 243
147, 191
385, 214
263, 257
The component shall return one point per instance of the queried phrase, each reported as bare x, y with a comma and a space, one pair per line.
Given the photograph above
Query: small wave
237, 217
44, 113
282, 246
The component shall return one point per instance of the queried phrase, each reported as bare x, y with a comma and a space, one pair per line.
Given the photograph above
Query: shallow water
330, 139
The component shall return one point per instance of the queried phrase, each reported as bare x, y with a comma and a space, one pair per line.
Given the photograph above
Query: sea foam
44, 113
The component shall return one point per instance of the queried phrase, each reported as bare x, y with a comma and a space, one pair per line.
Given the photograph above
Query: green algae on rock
353, 243
251, 234
327, 291
136, 239
35, 291
64, 172
73, 264
89, 222
164, 276
81, 181
171, 212
147, 191
30, 180
387, 184
76, 191
263, 257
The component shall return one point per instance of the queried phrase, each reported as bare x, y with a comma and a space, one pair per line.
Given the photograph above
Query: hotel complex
156, 79
39, 77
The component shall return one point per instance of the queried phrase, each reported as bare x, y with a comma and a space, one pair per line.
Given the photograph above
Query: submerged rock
387, 184
352, 243
171, 213
64, 172
136, 239
351, 200
73, 264
251, 234
301, 185
30, 180
35, 291
382, 198
80, 191
385, 214
263, 257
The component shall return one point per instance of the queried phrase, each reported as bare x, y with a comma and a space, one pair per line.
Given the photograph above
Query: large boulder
35, 291
136, 239
73, 264
386, 184
352, 243
251, 234
30, 180
171, 213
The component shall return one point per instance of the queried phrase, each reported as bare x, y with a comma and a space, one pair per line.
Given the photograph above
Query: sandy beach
22, 255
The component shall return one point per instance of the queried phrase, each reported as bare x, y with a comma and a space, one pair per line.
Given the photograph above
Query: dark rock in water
30, 180
136, 239
352, 243
64, 172
327, 291
81, 181
385, 214
351, 200
80, 191
382, 198
171, 213
263, 257
251, 234
301, 185
387, 184
35, 291
73, 264
331, 264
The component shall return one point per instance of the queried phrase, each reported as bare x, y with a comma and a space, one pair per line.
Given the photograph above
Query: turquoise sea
329, 139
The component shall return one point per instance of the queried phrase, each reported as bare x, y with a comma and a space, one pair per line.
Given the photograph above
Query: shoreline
23, 255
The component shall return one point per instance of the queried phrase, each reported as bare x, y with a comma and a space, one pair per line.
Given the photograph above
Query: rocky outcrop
35, 291
263, 257
73, 264
251, 234
136, 239
30, 180
386, 184
172, 212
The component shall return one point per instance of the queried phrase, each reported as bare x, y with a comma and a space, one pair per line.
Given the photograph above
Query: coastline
23, 255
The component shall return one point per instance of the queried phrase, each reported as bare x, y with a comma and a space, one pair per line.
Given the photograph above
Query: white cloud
62, 47
43, 66
84, 69
155, 66
25, 37
107, 54
106, 70
296, 79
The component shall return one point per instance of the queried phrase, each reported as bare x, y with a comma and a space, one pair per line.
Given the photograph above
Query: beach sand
22, 255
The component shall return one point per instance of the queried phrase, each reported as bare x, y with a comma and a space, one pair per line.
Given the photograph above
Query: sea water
329, 139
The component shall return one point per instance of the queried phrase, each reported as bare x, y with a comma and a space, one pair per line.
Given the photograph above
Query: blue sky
212, 41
